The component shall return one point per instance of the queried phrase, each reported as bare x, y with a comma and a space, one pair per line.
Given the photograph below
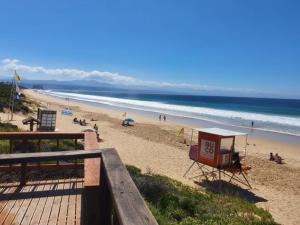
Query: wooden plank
91, 166
39, 135
56, 205
79, 186
47, 167
72, 204
48, 206
90, 195
22, 204
32, 207
129, 205
63, 212
7, 204
42, 202
7, 191
47, 156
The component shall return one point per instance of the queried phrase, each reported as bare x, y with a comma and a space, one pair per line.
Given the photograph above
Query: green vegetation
173, 203
23, 105
6, 127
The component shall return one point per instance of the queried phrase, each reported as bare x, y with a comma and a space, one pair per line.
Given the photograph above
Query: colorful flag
18, 97
180, 132
17, 76
18, 89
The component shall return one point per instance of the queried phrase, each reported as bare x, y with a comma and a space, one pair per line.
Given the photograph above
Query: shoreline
291, 150
152, 145
184, 120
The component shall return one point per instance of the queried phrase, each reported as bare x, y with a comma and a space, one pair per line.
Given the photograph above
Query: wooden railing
111, 199
39, 136
26, 137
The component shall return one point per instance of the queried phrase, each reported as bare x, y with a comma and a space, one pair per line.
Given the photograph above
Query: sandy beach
152, 145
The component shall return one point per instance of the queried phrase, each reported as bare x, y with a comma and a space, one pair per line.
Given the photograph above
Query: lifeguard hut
216, 152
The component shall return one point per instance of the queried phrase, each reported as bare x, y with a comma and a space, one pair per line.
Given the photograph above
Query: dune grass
23, 105
173, 203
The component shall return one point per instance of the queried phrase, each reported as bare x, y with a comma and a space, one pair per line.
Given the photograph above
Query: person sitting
272, 158
278, 159
124, 123
83, 122
96, 128
75, 120
80, 122
236, 160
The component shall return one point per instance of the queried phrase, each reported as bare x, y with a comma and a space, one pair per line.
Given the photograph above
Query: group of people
164, 117
276, 158
84, 123
81, 122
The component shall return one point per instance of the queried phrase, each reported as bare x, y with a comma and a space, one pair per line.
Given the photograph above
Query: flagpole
10, 100
13, 99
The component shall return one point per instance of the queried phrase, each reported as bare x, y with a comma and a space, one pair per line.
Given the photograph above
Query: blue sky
229, 47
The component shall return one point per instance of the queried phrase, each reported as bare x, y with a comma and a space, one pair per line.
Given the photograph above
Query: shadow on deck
106, 195
42, 202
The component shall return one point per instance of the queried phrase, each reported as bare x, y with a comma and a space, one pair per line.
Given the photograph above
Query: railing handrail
47, 156
128, 206
39, 135
128, 203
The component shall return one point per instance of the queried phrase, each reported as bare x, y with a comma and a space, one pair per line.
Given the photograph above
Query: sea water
274, 115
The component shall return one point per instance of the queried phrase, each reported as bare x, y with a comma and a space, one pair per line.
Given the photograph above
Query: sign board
208, 149
48, 119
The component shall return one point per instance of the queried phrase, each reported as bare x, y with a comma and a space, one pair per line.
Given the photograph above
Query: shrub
173, 203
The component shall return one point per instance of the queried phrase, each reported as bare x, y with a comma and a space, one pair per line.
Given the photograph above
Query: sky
233, 47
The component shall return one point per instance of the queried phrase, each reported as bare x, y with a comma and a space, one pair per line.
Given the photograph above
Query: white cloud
9, 65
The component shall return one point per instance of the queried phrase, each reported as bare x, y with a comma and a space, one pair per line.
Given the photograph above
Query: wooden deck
106, 195
41, 202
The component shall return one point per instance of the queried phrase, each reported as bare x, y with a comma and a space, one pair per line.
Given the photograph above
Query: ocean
274, 115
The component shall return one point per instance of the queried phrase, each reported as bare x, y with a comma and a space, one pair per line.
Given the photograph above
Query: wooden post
95, 192
24, 149
75, 146
57, 148
39, 149
31, 126
105, 201
10, 152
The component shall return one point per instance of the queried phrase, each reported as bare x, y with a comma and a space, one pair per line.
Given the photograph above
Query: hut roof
220, 132
30, 119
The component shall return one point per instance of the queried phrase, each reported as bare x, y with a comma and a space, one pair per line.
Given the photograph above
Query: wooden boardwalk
41, 202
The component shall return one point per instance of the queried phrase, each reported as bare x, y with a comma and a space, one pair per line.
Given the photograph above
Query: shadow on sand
224, 187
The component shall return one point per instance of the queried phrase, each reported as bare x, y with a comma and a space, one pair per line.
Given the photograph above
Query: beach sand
152, 145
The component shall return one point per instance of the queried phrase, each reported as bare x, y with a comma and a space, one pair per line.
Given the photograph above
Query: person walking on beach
252, 124
165, 118
159, 117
